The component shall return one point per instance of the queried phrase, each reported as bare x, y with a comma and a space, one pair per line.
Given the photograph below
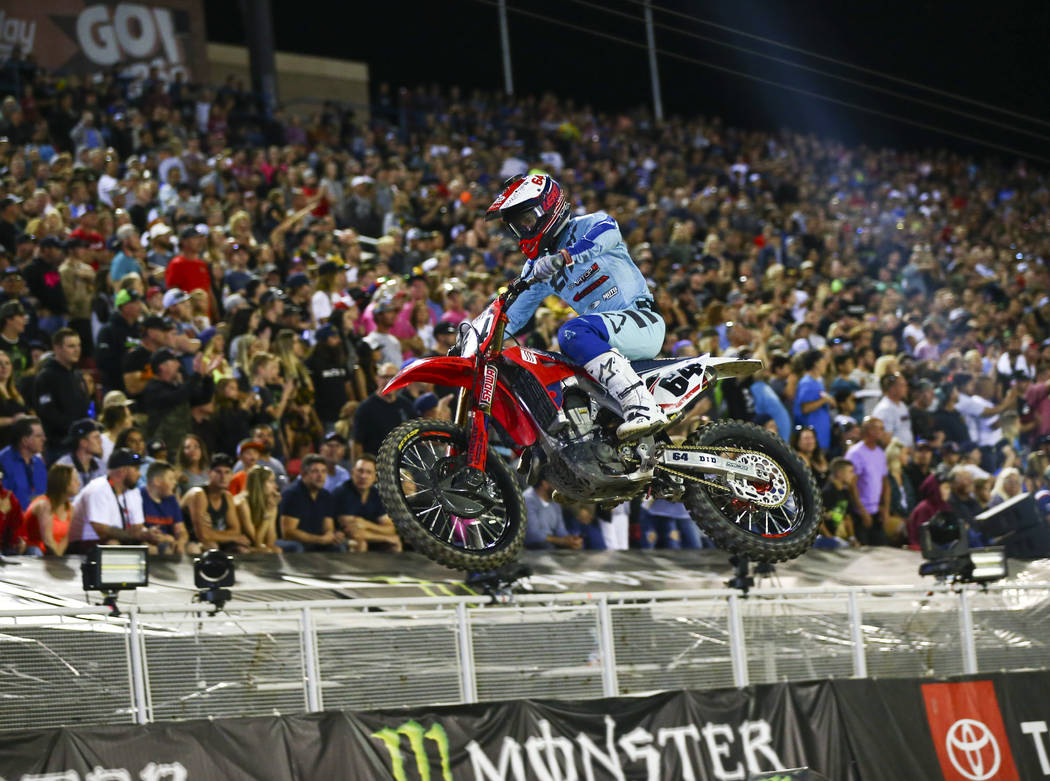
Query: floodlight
988, 564
213, 571
113, 568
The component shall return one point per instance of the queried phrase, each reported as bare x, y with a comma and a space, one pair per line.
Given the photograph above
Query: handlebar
517, 287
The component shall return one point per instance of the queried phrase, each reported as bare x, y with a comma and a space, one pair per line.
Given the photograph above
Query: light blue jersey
602, 277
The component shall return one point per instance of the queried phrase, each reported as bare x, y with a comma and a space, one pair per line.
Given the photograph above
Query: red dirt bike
456, 500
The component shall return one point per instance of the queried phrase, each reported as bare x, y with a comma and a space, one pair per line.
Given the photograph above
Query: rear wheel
772, 520
451, 513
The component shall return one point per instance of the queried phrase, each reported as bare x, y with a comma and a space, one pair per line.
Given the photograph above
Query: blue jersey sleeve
527, 303
596, 241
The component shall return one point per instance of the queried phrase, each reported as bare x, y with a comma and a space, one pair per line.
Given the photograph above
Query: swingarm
701, 461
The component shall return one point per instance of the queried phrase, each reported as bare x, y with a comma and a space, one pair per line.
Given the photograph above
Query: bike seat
647, 365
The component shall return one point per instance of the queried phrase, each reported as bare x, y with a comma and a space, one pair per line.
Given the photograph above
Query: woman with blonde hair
545, 335
247, 346
1008, 484
289, 351
886, 364
214, 349
200, 304
256, 508
12, 405
48, 517
240, 228
903, 497
51, 224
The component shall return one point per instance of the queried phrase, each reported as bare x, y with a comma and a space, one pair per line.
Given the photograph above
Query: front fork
477, 404
472, 411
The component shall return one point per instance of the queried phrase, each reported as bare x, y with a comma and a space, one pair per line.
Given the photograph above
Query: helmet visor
525, 223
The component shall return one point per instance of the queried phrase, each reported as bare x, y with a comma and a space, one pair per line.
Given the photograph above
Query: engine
579, 412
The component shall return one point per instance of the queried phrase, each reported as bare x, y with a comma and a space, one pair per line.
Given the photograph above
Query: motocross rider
584, 261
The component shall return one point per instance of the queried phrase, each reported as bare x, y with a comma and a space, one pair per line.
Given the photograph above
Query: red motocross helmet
533, 206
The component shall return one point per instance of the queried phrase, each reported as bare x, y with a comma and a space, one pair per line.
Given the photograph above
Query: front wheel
770, 521
451, 513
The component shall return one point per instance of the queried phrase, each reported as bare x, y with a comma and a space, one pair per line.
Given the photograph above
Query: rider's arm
527, 303
596, 240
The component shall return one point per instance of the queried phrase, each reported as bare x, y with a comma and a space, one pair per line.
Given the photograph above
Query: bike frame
482, 392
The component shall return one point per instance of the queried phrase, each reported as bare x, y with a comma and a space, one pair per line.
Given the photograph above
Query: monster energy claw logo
417, 738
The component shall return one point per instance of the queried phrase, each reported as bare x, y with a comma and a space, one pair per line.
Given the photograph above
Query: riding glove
548, 265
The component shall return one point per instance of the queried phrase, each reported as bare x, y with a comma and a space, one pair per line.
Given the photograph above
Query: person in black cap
333, 451
117, 337
271, 311
327, 365
156, 450
108, 511
921, 465
13, 321
85, 454
13, 288
299, 292
45, 285
157, 333
428, 405
167, 397
445, 334
187, 271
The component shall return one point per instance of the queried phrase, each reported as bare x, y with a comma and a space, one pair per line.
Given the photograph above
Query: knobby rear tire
388, 465
727, 534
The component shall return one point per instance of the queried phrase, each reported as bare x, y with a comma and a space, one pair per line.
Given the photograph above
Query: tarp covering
992, 727
25, 582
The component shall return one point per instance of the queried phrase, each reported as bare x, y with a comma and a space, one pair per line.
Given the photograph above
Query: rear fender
675, 386
455, 371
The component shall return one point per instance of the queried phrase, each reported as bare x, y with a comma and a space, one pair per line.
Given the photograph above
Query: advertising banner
81, 36
978, 729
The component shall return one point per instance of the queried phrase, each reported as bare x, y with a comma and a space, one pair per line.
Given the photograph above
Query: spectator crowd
198, 303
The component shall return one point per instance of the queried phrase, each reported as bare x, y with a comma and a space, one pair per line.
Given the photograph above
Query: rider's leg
599, 343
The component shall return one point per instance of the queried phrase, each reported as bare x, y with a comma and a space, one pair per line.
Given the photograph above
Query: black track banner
975, 728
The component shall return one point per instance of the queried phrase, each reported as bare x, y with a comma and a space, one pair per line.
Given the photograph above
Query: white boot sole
630, 434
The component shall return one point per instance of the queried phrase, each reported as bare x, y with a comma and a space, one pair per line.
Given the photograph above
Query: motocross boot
641, 415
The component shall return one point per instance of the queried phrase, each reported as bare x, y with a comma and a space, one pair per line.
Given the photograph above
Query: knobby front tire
414, 457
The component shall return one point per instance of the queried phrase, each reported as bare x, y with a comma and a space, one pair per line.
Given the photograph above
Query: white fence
67, 666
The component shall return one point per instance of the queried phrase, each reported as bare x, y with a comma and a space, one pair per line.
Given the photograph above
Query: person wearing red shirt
12, 527
187, 271
87, 232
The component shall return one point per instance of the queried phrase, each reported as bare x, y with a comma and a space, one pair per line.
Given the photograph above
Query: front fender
452, 370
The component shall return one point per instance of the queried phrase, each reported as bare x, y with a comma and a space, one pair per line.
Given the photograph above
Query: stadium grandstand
203, 295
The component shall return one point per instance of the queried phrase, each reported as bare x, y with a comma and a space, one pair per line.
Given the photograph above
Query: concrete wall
299, 77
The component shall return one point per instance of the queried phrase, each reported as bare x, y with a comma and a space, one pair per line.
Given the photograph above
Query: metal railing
69, 666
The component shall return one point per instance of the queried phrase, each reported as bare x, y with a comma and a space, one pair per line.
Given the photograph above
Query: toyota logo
973, 750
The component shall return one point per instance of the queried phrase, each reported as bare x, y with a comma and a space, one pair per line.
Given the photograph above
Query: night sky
987, 52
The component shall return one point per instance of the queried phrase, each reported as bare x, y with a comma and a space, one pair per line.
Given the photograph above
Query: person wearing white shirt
982, 416
1012, 361
892, 410
615, 531
913, 334
108, 511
